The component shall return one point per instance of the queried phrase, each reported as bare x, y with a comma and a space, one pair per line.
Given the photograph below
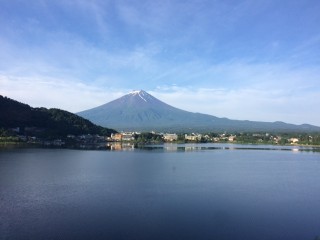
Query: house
216, 139
170, 137
193, 137
231, 138
127, 136
116, 137
277, 139
293, 140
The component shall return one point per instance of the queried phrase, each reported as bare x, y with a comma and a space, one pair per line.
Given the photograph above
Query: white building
169, 137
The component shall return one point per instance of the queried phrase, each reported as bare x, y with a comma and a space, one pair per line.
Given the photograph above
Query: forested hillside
44, 122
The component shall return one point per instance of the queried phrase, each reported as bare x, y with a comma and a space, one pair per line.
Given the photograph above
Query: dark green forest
43, 122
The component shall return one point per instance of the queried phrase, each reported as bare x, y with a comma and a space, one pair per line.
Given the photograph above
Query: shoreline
135, 145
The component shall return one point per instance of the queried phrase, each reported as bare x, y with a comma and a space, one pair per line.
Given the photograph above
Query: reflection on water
175, 147
169, 191
209, 146
118, 146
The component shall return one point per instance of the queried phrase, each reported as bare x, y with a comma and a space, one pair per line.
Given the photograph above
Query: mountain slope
48, 122
140, 111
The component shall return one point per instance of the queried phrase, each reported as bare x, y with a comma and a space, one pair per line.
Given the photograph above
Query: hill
45, 122
141, 111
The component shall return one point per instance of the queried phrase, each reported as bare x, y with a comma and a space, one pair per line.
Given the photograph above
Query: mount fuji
140, 111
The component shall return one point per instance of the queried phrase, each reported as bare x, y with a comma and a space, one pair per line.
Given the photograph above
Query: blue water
166, 192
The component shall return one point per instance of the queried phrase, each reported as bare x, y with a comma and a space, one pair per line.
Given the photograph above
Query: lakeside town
125, 139
25, 125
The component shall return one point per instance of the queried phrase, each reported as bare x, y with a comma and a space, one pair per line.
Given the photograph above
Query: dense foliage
148, 137
44, 122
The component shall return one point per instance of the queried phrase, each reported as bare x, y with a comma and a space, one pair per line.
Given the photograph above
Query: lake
188, 191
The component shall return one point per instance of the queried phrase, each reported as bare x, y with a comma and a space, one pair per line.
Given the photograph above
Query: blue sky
250, 59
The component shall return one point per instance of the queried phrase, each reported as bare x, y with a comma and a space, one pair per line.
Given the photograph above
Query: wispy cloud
244, 104
218, 57
56, 93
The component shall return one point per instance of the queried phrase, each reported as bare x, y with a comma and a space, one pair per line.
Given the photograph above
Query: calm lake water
208, 191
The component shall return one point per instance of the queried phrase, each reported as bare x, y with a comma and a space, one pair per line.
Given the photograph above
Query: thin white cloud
47, 92
252, 102
244, 104
98, 50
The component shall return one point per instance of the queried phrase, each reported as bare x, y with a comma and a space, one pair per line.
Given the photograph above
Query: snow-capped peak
135, 92
140, 93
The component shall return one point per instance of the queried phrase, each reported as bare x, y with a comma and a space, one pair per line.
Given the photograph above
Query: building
170, 137
127, 136
192, 137
293, 140
232, 138
116, 137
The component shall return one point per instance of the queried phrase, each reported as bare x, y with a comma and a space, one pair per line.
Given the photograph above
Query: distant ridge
140, 111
